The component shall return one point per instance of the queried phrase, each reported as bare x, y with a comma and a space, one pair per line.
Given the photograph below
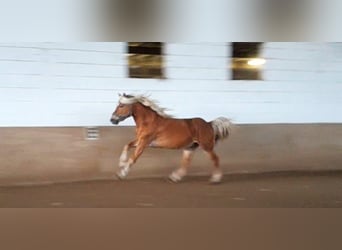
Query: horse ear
124, 94
119, 95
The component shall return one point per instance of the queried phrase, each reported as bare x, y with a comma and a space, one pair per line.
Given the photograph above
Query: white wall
76, 84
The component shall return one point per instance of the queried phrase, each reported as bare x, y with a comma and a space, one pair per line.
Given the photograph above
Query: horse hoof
120, 176
215, 179
174, 178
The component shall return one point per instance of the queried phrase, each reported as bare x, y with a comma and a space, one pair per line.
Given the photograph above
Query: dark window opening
145, 60
246, 63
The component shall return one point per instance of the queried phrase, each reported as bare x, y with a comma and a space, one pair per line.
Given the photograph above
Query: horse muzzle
115, 121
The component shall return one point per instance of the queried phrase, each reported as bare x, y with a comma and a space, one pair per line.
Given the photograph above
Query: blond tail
222, 128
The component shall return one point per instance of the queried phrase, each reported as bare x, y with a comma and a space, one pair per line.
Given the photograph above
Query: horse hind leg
178, 174
216, 176
208, 147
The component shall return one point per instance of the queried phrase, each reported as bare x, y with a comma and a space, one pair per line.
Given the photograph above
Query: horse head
123, 110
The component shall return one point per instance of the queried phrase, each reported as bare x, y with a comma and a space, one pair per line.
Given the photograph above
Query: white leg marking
123, 158
177, 175
124, 169
187, 153
123, 172
216, 177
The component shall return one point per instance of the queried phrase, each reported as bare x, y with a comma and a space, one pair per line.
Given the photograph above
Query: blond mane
146, 101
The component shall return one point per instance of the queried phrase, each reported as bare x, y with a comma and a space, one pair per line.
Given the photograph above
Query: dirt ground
275, 190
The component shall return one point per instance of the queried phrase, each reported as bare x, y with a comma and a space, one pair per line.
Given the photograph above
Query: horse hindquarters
208, 134
222, 128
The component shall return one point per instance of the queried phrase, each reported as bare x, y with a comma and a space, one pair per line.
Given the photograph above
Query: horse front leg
124, 169
124, 155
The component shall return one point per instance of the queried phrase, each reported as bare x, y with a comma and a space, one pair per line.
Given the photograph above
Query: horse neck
143, 115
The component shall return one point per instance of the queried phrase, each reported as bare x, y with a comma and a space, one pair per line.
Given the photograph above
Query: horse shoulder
144, 131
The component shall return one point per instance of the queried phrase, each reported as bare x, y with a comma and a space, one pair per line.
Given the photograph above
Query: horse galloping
155, 128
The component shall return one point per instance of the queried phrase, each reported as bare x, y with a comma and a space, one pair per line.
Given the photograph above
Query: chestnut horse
154, 128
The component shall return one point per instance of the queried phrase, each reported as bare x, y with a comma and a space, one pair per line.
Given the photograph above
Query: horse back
197, 128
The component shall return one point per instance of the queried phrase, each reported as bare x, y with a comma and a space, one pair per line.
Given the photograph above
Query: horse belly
171, 142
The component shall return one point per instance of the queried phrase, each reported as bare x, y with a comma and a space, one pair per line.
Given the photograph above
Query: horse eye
121, 106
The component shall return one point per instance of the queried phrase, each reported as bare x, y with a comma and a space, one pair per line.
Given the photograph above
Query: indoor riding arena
58, 147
